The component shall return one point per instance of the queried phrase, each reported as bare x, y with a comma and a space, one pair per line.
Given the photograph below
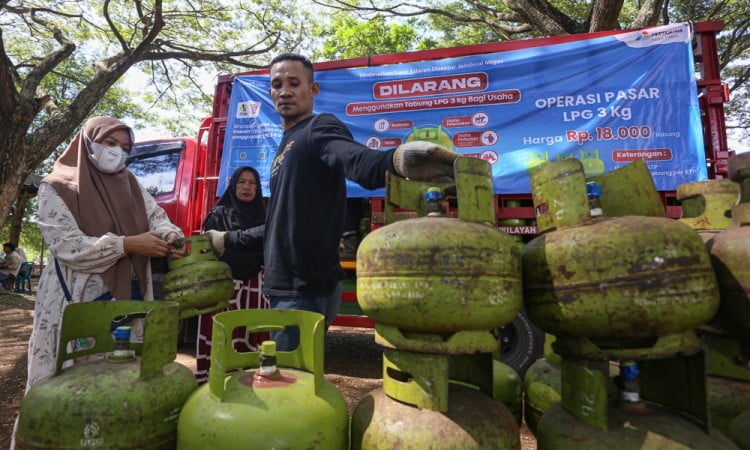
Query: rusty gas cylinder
439, 274
610, 278
643, 427
707, 205
739, 430
730, 253
473, 421
707, 208
729, 356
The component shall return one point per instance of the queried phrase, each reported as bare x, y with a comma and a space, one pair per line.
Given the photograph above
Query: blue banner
606, 101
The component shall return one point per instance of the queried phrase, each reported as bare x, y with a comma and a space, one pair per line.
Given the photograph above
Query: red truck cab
166, 168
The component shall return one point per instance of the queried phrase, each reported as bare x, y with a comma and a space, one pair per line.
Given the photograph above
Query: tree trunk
19, 211
9, 191
648, 15
604, 15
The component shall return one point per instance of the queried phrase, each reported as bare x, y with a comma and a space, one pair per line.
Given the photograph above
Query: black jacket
307, 204
243, 222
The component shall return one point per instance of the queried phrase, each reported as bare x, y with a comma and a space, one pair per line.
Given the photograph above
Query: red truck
183, 173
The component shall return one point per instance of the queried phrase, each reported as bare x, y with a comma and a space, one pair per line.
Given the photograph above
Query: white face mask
107, 159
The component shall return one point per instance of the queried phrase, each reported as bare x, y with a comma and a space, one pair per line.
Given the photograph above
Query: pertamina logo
91, 436
420, 87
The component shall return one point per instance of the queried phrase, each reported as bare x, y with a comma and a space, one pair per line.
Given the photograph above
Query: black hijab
232, 214
246, 214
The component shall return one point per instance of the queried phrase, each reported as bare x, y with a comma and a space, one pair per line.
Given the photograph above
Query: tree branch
113, 28
170, 50
31, 84
648, 14
63, 121
157, 23
500, 22
29, 87
544, 17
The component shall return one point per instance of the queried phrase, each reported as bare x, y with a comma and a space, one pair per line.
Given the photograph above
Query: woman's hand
147, 244
177, 245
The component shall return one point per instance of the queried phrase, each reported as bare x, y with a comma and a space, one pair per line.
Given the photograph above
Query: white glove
217, 241
423, 161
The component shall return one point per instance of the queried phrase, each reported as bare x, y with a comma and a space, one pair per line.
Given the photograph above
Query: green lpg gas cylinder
610, 278
728, 337
542, 386
277, 399
117, 394
730, 253
198, 281
439, 274
727, 398
640, 426
473, 421
707, 207
739, 430
512, 222
728, 380
507, 387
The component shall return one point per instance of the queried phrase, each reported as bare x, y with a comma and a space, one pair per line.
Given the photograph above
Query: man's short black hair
11, 245
294, 57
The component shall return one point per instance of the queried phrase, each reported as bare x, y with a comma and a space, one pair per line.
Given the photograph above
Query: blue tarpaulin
606, 101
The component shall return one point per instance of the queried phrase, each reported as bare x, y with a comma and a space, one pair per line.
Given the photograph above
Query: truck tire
521, 343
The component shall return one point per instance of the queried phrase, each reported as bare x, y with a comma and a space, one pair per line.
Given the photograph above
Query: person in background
239, 209
101, 227
22, 253
11, 263
306, 209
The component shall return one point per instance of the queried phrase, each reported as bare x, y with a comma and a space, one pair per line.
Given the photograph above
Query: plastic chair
23, 278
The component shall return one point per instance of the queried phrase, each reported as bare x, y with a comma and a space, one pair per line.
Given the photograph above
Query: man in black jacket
306, 210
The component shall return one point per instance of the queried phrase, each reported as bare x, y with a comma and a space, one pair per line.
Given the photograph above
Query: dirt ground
353, 362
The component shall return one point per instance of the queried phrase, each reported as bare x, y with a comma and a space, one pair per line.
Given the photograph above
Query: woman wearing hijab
240, 212
101, 227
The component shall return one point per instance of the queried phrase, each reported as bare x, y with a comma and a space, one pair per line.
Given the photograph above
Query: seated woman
240, 209
10, 264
